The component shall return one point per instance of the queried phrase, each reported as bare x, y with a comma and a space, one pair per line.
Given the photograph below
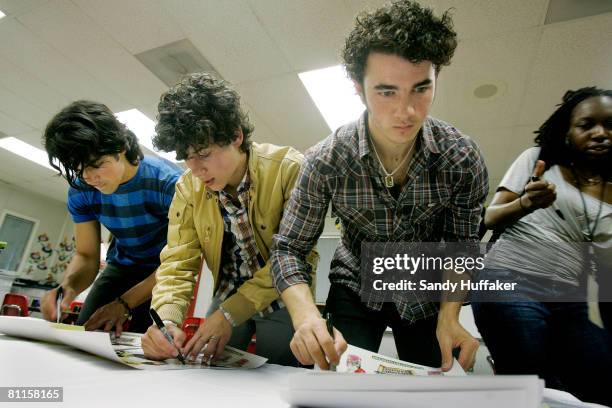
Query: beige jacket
196, 228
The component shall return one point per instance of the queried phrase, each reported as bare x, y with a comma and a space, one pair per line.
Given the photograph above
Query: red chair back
76, 306
15, 305
190, 326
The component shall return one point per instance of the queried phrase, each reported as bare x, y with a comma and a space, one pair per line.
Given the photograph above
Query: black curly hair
401, 28
199, 111
552, 134
81, 133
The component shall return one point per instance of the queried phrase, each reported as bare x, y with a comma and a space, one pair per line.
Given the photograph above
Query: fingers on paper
156, 346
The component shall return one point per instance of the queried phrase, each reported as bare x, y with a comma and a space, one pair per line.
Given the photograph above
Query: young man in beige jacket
226, 208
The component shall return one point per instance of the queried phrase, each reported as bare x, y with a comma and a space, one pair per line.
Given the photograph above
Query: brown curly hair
401, 28
199, 111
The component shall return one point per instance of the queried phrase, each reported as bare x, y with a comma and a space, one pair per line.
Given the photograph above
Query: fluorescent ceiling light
144, 129
20, 148
333, 94
2, 14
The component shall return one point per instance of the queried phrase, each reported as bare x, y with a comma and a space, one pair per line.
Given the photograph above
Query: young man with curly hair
112, 184
227, 207
394, 175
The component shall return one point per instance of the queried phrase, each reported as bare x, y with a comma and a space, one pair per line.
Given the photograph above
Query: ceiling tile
571, 55
485, 18
95, 52
286, 107
231, 37
138, 25
287, 22
11, 126
29, 53
504, 61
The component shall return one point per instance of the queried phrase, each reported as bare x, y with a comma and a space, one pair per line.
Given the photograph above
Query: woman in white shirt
553, 199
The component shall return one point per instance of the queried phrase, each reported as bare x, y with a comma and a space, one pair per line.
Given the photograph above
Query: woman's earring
567, 141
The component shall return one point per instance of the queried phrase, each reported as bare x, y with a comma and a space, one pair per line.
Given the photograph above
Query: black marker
330, 329
59, 296
163, 329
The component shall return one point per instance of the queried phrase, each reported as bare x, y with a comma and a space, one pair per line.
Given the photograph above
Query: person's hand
211, 338
48, 303
451, 335
312, 344
538, 193
113, 314
156, 346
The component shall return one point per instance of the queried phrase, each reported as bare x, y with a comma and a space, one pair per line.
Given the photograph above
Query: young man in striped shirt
111, 184
394, 175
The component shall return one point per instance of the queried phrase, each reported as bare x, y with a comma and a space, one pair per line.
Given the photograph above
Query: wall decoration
65, 252
37, 266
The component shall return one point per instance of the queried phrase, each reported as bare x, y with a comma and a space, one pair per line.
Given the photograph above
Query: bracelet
527, 210
228, 316
127, 307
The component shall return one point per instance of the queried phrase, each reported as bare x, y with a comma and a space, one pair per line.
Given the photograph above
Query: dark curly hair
552, 134
83, 132
401, 28
199, 111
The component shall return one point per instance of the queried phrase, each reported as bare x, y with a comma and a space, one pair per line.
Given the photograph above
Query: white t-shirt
553, 228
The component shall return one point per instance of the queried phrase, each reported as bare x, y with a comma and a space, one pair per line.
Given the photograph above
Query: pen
163, 329
330, 329
559, 213
59, 296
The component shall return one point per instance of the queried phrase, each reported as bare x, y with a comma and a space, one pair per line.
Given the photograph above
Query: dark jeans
273, 331
555, 341
362, 327
114, 281
605, 292
605, 309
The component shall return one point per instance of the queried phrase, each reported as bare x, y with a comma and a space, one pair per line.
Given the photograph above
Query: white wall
51, 214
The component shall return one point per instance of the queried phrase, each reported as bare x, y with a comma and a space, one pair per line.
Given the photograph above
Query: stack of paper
367, 379
324, 389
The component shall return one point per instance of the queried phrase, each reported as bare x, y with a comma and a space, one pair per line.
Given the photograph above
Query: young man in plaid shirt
394, 175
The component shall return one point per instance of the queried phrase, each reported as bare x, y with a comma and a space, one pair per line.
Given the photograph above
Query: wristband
228, 316
127, 307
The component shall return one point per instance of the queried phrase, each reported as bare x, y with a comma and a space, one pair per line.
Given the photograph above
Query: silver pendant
389, 181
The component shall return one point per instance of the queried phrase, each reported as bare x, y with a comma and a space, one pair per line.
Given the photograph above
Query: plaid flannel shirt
441, 200
241, 255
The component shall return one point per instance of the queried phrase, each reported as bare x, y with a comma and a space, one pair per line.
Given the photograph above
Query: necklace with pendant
389, 182
591, 231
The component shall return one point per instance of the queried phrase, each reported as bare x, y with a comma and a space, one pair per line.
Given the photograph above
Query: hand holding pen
56, 302
539, 193
330, 329
160, 343
313, 341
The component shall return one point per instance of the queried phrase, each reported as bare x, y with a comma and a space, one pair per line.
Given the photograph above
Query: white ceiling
55, 51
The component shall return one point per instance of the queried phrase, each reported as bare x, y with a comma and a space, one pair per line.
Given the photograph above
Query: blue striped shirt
136, 213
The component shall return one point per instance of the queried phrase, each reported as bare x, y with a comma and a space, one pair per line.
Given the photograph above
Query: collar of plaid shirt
242, 193
425, 133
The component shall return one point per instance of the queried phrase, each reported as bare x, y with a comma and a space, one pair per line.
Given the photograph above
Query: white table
90, 381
